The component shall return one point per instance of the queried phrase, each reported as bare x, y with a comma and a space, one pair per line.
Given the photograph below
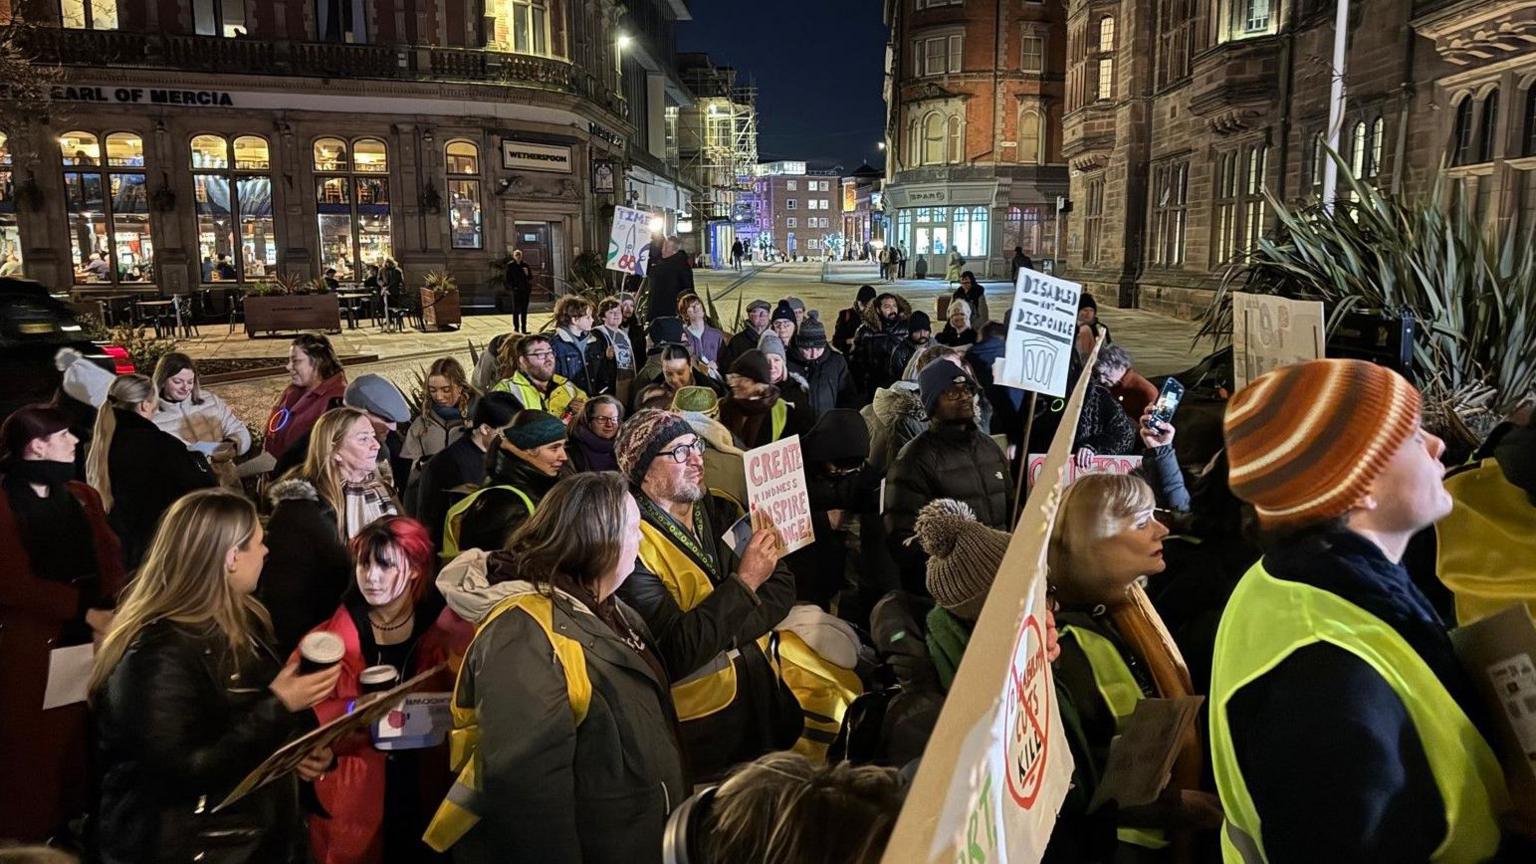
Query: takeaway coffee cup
376, 679
319, 651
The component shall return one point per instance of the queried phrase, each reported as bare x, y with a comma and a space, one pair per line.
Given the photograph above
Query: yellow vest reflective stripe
1487, 546
1265, 621
779, 414
823, 689
1120, 692
459, 811
454, 520
560, 395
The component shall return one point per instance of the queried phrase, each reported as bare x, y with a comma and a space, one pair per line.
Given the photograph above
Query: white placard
629, 243
1269, 332
527, 156
777, 492
1041, 326
69, 674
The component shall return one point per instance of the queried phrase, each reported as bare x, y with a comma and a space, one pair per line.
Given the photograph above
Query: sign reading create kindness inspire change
777, 493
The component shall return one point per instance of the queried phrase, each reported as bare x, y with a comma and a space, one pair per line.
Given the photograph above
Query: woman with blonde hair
189, 697
138, 468
317, 508
443, 419
1115, 652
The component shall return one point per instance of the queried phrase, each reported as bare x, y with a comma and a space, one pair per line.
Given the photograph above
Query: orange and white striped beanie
1306, 441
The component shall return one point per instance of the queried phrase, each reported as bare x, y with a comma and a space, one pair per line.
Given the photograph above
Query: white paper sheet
69, 672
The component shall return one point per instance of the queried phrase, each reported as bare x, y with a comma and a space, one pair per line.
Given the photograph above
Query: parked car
34, 325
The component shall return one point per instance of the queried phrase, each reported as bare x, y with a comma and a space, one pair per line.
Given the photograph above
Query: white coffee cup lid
322, 646
379, 674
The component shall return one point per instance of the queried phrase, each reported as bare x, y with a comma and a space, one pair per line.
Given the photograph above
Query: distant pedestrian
901, 262
737, 251
1020, 262
520, 285
953, 265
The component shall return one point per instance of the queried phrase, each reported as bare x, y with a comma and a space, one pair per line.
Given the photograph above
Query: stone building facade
974, 162
1180, 114
197, 144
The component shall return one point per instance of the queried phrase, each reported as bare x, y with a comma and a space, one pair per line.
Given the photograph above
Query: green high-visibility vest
1265, 621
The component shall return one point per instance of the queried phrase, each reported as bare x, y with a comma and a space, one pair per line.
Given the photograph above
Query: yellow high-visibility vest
1486, 547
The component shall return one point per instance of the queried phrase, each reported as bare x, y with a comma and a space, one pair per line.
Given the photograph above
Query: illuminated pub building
200, 144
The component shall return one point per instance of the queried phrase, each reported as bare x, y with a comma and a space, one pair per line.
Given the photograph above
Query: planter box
287, 313
440, 313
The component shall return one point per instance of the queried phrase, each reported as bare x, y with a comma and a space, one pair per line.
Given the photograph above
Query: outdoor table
156, 310
350, 300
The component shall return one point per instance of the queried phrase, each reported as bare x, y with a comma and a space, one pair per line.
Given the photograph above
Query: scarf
450, 413
599, 450
947, 638
43, 472
364, 502
690, 543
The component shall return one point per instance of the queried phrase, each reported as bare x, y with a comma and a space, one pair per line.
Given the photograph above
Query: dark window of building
1461, 133
1528, 147
341, 21
1093, 220
1174, 37
1225, 221
1488, 132
1170, 184
1253, 196
1034, 54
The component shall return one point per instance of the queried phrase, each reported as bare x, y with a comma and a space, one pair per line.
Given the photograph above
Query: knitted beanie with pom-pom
963, 555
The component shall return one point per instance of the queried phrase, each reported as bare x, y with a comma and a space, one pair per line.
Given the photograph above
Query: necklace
404, 619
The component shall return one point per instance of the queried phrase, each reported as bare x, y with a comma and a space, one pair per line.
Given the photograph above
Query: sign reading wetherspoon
1041, 325
777, 492
527, 156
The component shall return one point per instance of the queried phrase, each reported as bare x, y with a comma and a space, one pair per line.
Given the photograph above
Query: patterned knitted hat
812, 334
963, 555
1306, 441
643, 436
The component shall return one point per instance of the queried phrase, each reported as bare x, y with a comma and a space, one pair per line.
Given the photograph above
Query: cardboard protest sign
777, 492
1499, 654
997, 766
1269, 332
1141, 757
369, 711
1101, 465
629, 241
1041, 325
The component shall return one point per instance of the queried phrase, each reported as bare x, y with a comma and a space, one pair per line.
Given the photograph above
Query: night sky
818, 69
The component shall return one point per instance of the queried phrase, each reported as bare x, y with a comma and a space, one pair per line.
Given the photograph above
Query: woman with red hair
381, 799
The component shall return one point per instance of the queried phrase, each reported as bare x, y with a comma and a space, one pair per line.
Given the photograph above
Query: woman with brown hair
188, 698
60, 577
315, 379
317, 508
443, 418
574, 754
590, 445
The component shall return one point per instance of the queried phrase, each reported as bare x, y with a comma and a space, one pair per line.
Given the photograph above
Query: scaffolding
717, 136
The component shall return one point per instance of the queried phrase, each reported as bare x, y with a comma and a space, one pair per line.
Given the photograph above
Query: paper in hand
739, 535
69, 675
1141, 757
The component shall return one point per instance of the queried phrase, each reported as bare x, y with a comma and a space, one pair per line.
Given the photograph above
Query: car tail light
121, 363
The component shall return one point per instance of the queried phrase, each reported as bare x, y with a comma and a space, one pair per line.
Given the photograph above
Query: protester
315, 379
975, 297
590, 447
704, 341
957, 330
919, 334
707, 605
784, 809
784, 322
1133, 391
848, 320
136, 467
1105, 538
528, 458
669, 279
1103, 429
463, 463
387, 411
193, 414
187, 698
519, 280
1089, 328
963, 558
316, 508
879, 352
793, 388
797, 306
1329, 632
488, 366
952, 458
725, 473
840, 491
62, 572
634, 325
661, 333
376, 803
534, 382
678, 370
1020, 261
619, 357
444, 415
755, 413
746, 339
579, 354
565, 695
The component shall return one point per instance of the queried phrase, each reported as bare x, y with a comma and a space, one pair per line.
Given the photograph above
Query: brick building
1181, 113
974, 92
207, 144
798, 209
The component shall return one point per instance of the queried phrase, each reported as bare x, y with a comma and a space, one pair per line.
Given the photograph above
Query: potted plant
440, 308
290, 302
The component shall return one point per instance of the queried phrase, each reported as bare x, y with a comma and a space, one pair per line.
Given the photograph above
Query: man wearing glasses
535, 384
710, 607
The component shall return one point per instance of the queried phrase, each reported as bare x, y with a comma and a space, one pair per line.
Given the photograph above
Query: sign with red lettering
1100, 465
777, 493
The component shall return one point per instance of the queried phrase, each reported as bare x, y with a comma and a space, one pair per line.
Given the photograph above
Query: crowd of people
629, 671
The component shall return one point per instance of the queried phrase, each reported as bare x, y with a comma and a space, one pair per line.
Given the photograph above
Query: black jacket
307, 568
1103, 425
669, 278
519, 277
736, 346
846, 326
178, 724
461, 463
496, 513
879, 349
149, 468
946, 461
830, 382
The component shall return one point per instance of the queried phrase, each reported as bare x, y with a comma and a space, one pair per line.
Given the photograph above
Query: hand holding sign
761, 557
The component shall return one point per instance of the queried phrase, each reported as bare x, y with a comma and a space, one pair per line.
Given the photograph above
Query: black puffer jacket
150, 468
179, 723
878, 353
946, 461
829, 382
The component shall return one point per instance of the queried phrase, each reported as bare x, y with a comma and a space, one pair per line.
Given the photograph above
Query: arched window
979, 218
236, 236
1378, 130
108, 208
464, 194
352, 197
1357, 150
1528, 147
1031, 138
1488, 129
933, 139
1461, 133
955, 150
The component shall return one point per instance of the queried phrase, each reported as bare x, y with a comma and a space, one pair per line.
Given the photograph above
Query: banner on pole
1269, 332
1041, 325
777, 492
629, 243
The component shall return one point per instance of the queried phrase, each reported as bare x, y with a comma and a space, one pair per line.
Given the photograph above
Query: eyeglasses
606, 421
681, 452
539, 355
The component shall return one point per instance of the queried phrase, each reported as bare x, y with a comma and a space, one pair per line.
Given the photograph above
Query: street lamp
881, 145
624, 40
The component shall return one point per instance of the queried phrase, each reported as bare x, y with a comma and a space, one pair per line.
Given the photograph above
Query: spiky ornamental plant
1474, 303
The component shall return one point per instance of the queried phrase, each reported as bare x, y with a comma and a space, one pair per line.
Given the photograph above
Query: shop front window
10, 230
352, 201
108, 208
464, 195
236, 234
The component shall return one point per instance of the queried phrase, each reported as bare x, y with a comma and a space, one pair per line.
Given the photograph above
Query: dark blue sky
817, 65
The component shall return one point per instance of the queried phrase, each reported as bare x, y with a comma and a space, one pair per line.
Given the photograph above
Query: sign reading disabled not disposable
1041, 325
777, 493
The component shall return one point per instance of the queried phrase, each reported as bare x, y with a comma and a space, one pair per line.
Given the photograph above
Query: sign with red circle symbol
1027, 716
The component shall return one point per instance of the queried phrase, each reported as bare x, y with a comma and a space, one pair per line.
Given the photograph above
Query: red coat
303, 408
1134, 393
42, 753
353, 791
